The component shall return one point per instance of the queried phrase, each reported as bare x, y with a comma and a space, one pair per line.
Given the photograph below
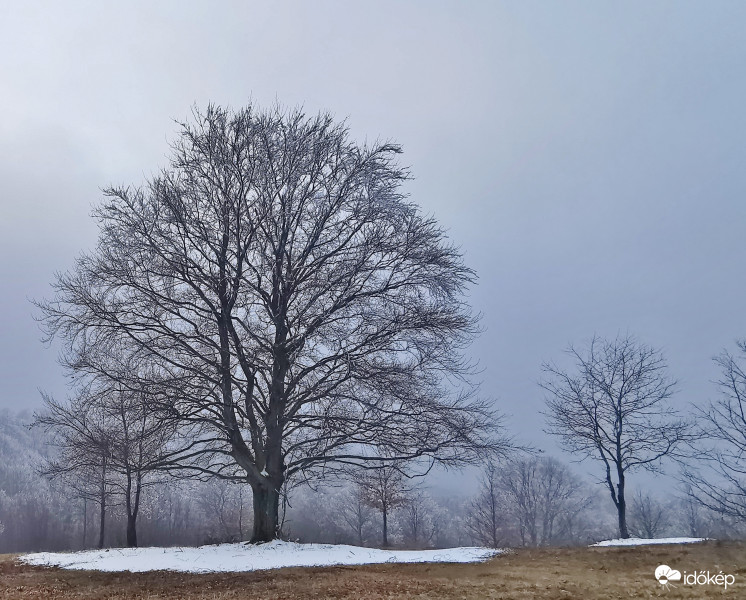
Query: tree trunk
85, 522
623, 531
133, 508
132, 531
493, 517
240, 515
102, 501
102, 522
266, 514
385, 527
622, 509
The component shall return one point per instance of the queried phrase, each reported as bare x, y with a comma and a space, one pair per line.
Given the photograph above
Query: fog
586, 157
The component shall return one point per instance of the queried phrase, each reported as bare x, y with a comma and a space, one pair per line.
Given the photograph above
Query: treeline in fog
528, 501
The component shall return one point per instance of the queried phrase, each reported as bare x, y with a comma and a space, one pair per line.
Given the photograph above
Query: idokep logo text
666, 576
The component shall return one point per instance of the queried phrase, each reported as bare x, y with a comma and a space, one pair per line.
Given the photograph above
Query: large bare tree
613, 407
305, 310
716, 475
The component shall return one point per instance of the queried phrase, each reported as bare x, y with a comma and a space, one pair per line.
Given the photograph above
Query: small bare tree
649, 516
693, 516
543, 496
384, 488
224, 504
416, 518
113, 427
613, 408
84, 440
356, 513
486, 520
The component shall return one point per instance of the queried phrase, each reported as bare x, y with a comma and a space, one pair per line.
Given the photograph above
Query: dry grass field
558, 573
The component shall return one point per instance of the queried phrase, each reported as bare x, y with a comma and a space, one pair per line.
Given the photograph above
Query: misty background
586, 157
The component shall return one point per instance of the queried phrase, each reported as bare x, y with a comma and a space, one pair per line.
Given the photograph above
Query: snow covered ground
648, 542
243, 557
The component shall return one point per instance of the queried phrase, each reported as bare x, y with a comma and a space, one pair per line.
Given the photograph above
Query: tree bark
85, 522
266, 514
102, 522
385, 527
240, 515
102, 503
133, 508
622, 509
132, 531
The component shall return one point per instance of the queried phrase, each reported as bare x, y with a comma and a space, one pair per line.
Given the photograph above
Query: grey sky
587, 156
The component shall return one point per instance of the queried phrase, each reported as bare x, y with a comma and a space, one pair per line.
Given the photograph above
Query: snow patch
245, 557
648, 542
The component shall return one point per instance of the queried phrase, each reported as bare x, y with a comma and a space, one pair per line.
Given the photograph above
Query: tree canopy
301, 312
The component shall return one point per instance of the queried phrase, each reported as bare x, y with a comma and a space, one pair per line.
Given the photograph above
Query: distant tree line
525, 501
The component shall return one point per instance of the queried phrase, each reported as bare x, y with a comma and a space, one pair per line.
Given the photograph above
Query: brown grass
557, 573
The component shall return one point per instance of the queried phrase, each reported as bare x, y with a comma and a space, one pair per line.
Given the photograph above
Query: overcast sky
588, 157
